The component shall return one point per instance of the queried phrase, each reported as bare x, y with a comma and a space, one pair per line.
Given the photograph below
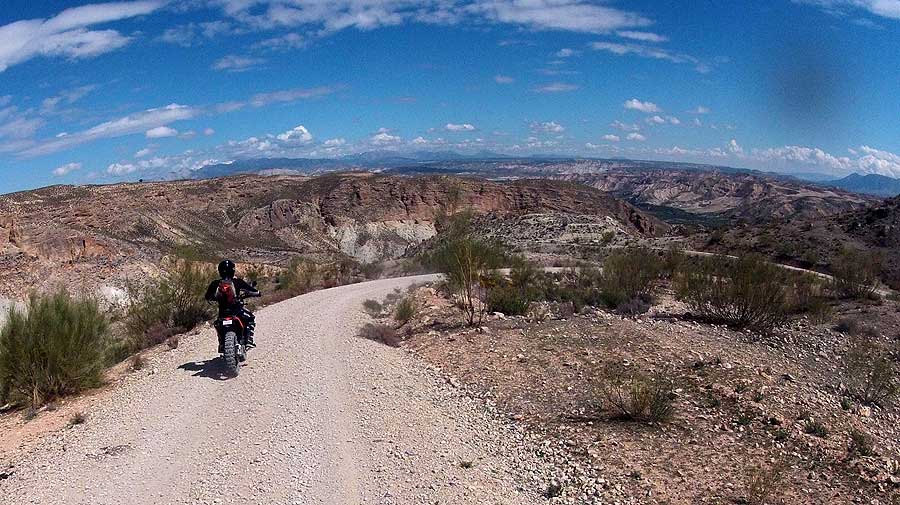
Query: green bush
373, 307
629, 274
508, 300
170, 304
747, 292
405, 310
56, 347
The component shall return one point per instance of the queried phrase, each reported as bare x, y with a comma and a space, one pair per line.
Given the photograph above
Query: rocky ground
742, 408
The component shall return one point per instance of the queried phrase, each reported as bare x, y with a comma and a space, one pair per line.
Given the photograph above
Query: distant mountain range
493, 165
870, 184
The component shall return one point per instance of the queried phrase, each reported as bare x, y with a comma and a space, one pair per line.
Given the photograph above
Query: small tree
466, 260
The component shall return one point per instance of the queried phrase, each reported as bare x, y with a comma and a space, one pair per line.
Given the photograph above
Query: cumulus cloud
641, 36
655, 120
297, 134
66, 169
503, 79
611, 138
555, 87
647, 107
143, 152
546, 127
67, 34
235, 63
464, 127
636, 137
161, 132
383, 137
335, 142
734, 147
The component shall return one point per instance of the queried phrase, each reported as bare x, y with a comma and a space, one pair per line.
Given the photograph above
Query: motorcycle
233, 334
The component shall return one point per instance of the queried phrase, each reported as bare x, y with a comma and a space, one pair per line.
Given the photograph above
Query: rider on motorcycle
232, 305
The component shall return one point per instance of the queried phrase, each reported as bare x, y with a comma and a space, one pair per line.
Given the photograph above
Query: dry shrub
855, 274
405, 309
137, 362
763, 483
745, 293
861, 444
870, 375
631, 396
628, 274
380, 333
373, 308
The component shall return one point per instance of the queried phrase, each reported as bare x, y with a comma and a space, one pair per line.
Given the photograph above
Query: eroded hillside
98, 235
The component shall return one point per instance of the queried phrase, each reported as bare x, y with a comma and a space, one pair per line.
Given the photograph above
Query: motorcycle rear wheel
230, 354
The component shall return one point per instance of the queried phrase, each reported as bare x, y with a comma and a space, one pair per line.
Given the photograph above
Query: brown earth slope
96, 235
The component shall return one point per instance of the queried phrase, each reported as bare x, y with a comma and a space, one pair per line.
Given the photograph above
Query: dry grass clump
381, 333
632, 396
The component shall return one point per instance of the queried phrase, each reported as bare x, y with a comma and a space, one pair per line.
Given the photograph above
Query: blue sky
146, 89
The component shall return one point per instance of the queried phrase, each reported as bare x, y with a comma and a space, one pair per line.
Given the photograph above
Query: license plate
226, 322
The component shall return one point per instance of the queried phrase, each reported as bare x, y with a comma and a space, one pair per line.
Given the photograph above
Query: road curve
318, 416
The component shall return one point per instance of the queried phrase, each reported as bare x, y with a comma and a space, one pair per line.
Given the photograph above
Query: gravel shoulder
317, 416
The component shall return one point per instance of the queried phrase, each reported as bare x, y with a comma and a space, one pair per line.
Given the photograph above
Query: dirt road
318, 416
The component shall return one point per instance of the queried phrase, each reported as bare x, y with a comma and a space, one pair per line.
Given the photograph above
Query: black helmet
226, 269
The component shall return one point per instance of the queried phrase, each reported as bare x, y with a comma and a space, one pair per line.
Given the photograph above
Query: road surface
318, 416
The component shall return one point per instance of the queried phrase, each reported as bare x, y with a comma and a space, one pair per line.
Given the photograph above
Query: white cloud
297, 134
673, 120
636, 136
67, 33
618, 125
464, 127
335, 142
884, 8
161, 132
66, 169
503, 79
641, 36
384, 137
556, 87
647, 107
290, 95
143, 152
644, 51
235, 63
121, 168
419, 140
611, 138
546, 127
284, 42
565, 53
208, 131
571, 15
132, 123
655, 120
700, 110
734, 147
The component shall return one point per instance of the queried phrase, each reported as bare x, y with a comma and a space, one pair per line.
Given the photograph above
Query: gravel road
317, 416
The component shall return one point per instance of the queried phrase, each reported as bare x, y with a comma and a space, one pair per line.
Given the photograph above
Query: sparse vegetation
56, 347
861, 444
373, 307
77, 418
635, 397
629, 274
763, 483
745, 293
405, 310
380, 333
816, 428
855, 274
508, 300
173, 303
870, 375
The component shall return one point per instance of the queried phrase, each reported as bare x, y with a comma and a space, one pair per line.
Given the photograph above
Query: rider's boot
249, 339
221, 344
